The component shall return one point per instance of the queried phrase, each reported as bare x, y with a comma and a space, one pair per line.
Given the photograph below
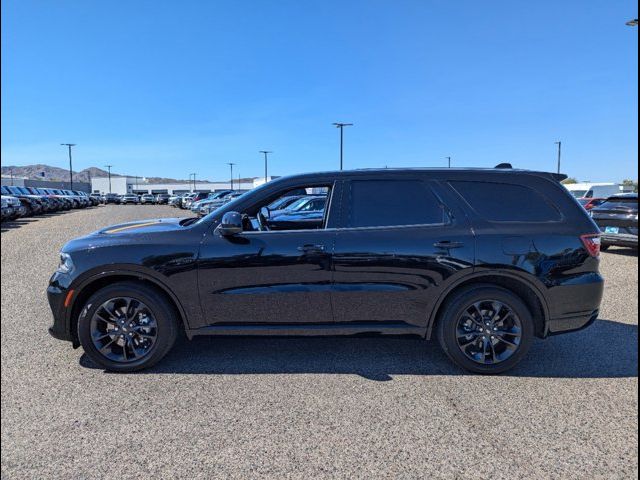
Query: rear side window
385, 203
505, 202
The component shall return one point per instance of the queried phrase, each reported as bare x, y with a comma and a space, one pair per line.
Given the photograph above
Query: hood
142, 226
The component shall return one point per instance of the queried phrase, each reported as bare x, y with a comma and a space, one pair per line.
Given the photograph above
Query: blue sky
165, 88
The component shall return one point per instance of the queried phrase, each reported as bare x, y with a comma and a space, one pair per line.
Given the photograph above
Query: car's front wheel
127, 326
485, 329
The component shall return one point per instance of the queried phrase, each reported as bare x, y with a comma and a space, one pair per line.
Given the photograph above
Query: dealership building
122, 185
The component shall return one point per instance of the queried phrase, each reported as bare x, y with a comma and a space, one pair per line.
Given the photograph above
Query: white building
123, 185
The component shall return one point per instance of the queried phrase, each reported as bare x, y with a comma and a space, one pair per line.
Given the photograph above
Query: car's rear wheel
485, 329
127, 327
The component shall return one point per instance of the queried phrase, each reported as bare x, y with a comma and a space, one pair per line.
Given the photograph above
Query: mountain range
57, 174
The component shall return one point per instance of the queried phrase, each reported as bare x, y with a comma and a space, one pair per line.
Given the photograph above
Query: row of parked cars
28, 201
134, 198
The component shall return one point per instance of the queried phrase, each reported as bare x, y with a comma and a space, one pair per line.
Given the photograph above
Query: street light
70, 166
341, 127
231, 165
266, 153
632, 23
108, 167
559, 143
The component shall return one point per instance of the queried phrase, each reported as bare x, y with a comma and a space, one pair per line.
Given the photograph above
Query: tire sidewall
161, 310
454, 309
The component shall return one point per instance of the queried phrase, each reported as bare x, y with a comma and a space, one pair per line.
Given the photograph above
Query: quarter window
505, 202
385, 203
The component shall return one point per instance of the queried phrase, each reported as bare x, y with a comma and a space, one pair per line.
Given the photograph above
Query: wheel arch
94, 283
524, 289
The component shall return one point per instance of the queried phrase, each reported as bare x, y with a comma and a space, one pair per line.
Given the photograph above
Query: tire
161, 310
457, 307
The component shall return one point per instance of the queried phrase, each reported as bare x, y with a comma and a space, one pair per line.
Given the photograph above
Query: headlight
66, 264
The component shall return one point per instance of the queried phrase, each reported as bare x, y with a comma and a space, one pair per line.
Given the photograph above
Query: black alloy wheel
127, 326
485, 329
489, 332
123, 329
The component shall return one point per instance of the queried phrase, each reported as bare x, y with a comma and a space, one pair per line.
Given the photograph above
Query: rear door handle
448, 244
311, 248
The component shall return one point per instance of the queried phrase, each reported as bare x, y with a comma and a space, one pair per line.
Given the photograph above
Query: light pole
194, 181
559, 143
449, 159
341, 127
265, 153
231, 165
108, 167
69, 145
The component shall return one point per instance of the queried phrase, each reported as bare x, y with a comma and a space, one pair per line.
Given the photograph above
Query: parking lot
313, 407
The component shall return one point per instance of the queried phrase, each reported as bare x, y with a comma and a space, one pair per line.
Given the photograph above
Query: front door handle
311, 248
446, 244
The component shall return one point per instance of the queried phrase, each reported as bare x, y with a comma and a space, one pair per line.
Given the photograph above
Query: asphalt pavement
307, 408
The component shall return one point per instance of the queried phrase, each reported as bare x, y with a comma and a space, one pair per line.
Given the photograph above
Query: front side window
386, 203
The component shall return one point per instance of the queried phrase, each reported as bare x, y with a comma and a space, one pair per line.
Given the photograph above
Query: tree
569, 181
627, 182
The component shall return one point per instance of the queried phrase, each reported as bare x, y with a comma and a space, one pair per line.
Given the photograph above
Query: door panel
395, 275
267, 277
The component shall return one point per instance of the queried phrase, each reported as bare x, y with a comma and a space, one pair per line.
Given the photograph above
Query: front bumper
56, 295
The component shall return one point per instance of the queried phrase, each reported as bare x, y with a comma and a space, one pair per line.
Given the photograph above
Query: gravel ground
301, 408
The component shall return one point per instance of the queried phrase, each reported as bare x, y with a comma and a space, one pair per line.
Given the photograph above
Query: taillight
592, 243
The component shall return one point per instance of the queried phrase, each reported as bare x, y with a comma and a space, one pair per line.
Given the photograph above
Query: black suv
484, 259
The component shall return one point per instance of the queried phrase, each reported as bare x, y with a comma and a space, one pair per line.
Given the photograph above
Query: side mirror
265, 212
231, 224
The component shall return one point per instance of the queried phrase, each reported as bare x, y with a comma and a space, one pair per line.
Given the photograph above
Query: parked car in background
147, 199
110, 198
129, 198
307, 203
185, 199
31, 203
617, 217
425, 252
12, 208
593, 190
589, 203
211, 198
195, 197
162, 198
209, 205
284, 202
59, 202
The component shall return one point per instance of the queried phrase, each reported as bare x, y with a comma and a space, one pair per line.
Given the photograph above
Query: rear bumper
574, 303
572, 323
621, 239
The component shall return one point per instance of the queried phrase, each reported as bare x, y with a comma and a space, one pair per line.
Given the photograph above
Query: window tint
384, 203
504, 202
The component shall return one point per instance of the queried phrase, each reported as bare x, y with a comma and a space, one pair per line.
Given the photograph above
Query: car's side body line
300, 330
